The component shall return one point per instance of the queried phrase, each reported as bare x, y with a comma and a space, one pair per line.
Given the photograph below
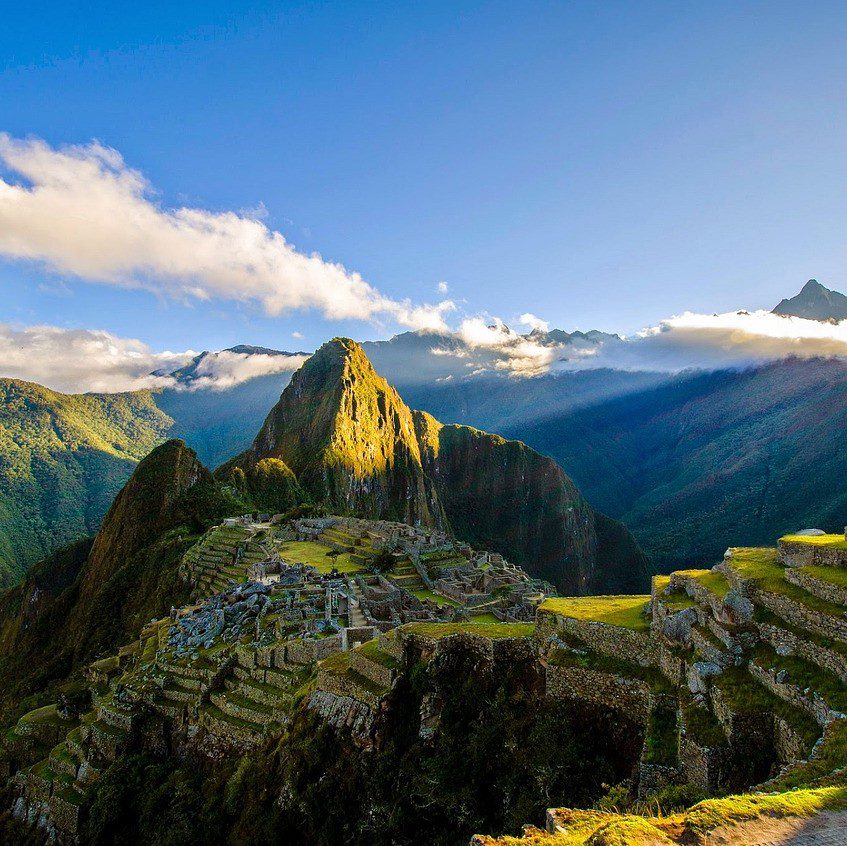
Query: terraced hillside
341, 638
741, 677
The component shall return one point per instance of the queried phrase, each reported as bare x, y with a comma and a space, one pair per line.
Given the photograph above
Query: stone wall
630, 696
701, 765
803, 617
825, 590
373, 670
799, 554
628, 645
787, 643
792, 694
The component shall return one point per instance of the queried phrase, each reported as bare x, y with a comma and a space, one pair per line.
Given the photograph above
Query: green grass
372, 651
588, 660
627, 612
489, 630
833, 575
426, 593
677, 601
662, 737
484, 618
760, 565
829, 541
702, 726
831, 757
715, 582
317, 556
804, 674
745, 695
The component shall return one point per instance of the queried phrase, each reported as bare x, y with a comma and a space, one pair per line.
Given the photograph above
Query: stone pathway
827, 829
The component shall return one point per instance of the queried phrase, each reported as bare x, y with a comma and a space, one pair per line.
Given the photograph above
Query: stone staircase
405, 575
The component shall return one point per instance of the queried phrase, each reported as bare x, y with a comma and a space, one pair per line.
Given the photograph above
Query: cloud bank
79, 360
93, 360
687, 341
218, 371
79, 210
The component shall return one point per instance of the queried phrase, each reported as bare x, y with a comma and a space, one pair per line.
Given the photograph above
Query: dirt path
826, 829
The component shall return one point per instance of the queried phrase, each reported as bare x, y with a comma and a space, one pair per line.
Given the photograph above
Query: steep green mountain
62, 460
89, 597
349, 439
354, 445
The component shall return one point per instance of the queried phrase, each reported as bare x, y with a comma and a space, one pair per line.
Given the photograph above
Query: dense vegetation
62, 460
84, 601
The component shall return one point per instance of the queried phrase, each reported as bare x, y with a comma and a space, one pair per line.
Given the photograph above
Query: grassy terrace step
338, 664
599, 828
239, 726
804, 674
712, 580
745, 695
828, 541
423, 593
260, 692
373, 653
590, 660
629, 612
259, 712
760, 567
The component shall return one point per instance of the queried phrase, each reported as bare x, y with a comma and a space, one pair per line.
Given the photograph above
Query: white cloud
443, 287
225, 369
297, 335
82, 360
508, 351
76, 360
709, 342
81, 211
532, 322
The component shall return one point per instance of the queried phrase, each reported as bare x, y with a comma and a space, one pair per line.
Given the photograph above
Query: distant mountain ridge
815, 302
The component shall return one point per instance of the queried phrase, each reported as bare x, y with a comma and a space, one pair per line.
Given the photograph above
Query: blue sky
599, 165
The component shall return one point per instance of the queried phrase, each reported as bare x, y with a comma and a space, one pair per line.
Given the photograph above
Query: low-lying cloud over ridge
80, 210
686, 341
93, 360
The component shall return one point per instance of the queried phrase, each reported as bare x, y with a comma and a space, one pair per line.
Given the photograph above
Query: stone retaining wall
788, 742
341, 685
630, 696
372, 670
792, 694
799, 554
825, 590
616, 641
786, 642
802, 616
701, 765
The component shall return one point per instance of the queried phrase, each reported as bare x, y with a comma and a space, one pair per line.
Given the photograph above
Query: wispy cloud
225, 369
81, 211
532, 322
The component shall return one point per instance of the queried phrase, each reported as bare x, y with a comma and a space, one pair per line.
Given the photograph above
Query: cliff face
349, 438
503, 495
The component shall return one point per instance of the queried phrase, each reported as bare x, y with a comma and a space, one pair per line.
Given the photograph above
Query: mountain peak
815, 302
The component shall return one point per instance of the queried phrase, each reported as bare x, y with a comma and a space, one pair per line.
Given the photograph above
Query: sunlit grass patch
628, 612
